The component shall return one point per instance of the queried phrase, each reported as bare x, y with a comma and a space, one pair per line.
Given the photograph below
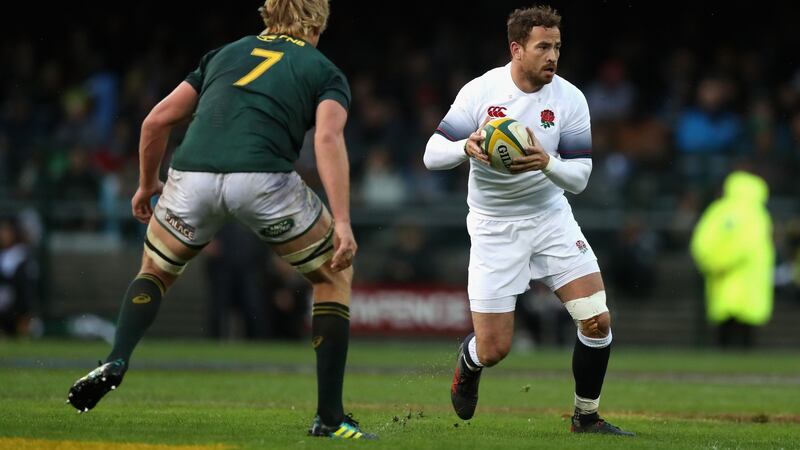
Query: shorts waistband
559, 199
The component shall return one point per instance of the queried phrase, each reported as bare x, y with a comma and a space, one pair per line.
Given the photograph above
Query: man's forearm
442, 153
152, 145
334, 171
570, 175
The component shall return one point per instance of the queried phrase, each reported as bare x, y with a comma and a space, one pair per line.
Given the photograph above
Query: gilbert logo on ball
504, 140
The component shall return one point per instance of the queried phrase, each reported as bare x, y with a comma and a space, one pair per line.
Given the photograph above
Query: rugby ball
504, 140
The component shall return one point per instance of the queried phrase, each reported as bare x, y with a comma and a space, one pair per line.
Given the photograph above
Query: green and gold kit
258, 97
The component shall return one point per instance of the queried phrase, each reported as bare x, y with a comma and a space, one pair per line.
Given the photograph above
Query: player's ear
516, 50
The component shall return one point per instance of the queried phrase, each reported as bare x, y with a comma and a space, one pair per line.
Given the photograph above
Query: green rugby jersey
258, 97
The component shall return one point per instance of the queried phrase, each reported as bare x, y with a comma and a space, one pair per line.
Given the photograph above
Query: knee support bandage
162, 256
312, 257
587, 307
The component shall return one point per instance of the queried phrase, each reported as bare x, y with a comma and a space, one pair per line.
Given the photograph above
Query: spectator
707, 133
382, 185
611, 95
78, 191
18, 281
733, 248
407, 261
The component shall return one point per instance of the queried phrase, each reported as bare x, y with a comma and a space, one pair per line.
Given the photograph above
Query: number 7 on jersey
270, 59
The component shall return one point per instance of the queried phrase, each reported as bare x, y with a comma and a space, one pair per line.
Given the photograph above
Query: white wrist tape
587, 307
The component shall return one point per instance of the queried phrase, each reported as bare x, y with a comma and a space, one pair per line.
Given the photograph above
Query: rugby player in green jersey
250, 103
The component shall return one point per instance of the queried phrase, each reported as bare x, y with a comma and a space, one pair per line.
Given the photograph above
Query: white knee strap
587, 307
314, 256
161, 255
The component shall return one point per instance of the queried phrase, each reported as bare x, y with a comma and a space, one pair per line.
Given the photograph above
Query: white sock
595, 342
472, 347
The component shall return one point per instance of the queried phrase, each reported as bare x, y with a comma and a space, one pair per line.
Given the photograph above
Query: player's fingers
352, 250
342, 259
534, 146
520, 169
524, 164
146, 213
141, 216
529, 148
533, 138
345, 252
527, 159
481, 158
485, 121
476, 152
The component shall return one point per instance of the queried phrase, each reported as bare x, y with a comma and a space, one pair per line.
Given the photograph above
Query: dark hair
521, 21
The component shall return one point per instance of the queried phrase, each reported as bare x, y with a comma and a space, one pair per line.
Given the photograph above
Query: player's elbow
153, 122
578, 187
578, 175
159, 119
429, 158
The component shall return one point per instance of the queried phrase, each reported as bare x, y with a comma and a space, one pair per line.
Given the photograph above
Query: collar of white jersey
517, 92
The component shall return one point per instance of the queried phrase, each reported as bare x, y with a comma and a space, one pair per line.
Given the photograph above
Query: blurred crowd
670, 119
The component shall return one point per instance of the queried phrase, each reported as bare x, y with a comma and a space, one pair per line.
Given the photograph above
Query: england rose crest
548, 118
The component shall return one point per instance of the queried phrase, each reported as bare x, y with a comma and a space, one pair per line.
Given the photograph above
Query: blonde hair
301, 18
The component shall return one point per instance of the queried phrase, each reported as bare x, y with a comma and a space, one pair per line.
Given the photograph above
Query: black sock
589, 369
330, 332
139, 310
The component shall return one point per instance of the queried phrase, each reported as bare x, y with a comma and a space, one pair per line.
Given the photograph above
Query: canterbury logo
141, 299
496, 111
316, 341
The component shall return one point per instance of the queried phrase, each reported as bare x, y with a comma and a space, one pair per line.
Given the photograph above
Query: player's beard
537, 77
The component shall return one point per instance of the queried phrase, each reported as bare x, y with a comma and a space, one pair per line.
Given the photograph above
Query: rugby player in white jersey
520, 224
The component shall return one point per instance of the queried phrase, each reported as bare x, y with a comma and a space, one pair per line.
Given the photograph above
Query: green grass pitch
181, 395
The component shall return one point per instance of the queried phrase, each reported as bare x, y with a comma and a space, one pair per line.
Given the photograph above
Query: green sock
139, 310
330, 330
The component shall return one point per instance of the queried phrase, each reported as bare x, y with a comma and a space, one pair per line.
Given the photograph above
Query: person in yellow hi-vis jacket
732, 246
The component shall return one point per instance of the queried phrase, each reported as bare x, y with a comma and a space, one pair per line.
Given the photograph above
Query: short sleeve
460, 121
196, 77
575, 140
335, 87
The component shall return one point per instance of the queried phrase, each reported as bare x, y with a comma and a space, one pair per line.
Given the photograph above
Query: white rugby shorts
277, 206
506, 254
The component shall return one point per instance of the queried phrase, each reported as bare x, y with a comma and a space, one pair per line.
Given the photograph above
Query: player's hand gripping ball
504, 140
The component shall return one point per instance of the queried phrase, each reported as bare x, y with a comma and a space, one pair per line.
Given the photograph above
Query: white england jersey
557, 114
